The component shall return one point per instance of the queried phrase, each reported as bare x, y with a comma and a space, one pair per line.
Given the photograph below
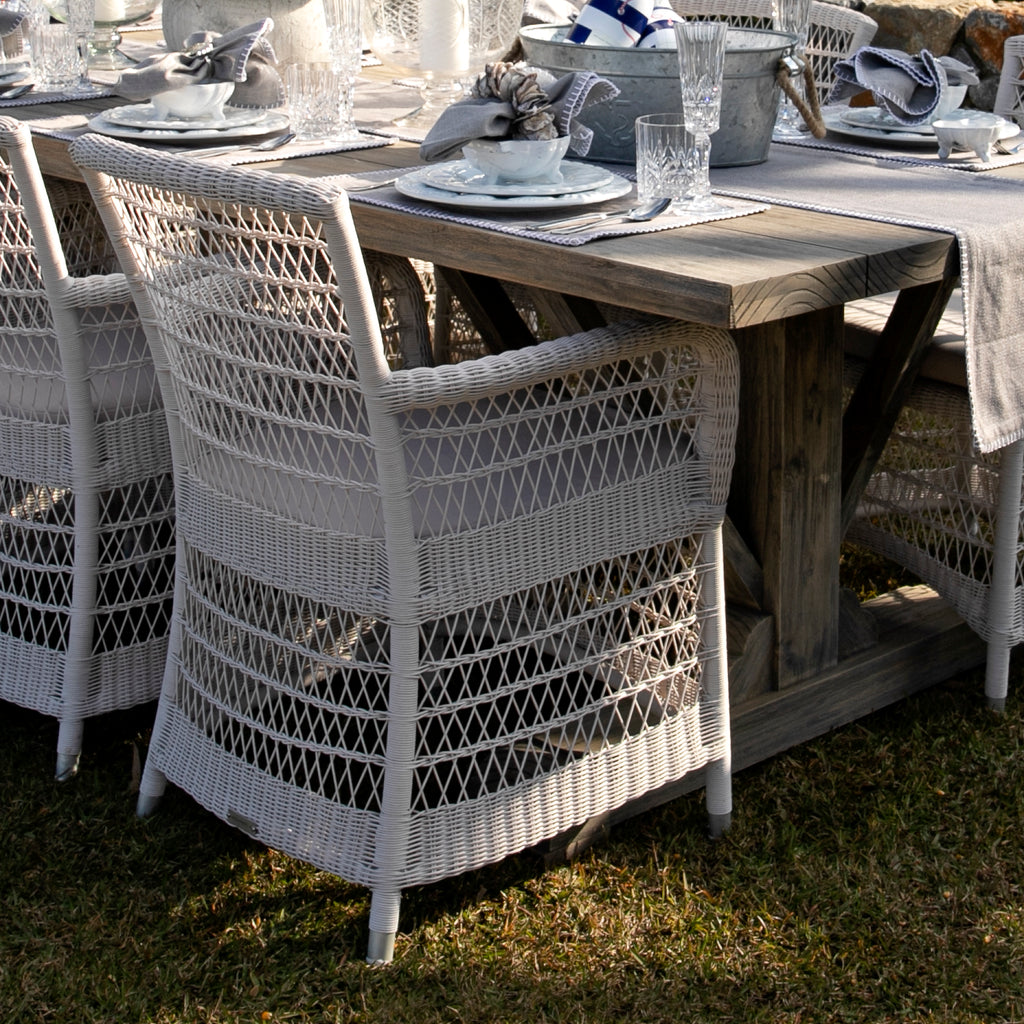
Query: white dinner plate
10, 74
414, 186
143, 115
461, 176
834, 122
880, 120
273, 122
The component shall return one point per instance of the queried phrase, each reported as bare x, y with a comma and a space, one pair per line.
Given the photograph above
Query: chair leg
383, 926
69, 748
718, 795
151, 789
1004, 574
718, 773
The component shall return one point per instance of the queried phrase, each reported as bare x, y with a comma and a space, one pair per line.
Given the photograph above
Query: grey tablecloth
984, 211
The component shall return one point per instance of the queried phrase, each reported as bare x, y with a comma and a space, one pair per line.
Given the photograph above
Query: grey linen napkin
10, 19
905, 86
491, 118
243, 56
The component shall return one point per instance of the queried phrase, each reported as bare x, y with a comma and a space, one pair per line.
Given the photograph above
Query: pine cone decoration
517, 85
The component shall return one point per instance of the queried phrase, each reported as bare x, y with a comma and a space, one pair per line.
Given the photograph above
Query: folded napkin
243, 56
906, 87
11, 18
518, 101
640, 23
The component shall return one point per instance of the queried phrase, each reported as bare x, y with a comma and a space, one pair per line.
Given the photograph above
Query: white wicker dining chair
86, 525
834, 32
950, 514
429, 617
1009, 100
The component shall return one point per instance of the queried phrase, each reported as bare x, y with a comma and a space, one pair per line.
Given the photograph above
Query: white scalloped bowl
203, 101
950, 100
510, 160
975, 130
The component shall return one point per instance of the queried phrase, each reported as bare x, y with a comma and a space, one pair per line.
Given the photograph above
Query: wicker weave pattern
835, 32
86, 524
431, 616
949, 513
1009, 100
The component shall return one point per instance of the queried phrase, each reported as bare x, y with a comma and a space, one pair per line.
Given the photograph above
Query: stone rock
914, 25
985, 30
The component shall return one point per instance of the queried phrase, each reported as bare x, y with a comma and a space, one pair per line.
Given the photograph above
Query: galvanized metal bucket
648, 81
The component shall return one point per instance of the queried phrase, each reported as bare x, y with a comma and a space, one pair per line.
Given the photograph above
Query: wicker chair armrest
97, 290
472, 380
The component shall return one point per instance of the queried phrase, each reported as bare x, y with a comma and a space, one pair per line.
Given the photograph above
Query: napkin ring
202, 49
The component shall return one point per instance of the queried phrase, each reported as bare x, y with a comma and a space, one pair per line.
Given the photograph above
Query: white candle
110, 11
444, 36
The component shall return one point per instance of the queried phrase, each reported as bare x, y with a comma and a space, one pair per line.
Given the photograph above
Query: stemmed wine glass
345, 42
792, 17
82, 22
701, 47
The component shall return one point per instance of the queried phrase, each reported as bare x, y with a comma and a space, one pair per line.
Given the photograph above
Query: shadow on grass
872, 875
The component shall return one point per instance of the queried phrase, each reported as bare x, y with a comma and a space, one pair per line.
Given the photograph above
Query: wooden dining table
805, 656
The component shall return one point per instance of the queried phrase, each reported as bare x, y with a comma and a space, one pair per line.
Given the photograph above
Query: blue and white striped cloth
639, 23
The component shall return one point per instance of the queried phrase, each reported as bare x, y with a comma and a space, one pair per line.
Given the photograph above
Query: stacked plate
13, 73
139, 122
458, 183
876, 125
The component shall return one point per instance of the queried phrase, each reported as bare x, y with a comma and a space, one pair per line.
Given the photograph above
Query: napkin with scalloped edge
492, 118
907, 87
10, 19
243, 56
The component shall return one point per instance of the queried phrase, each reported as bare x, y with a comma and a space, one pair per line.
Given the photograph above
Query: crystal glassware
664, 159
345, 43
441, 43
81, 19
701, 47
793, 18
108, 17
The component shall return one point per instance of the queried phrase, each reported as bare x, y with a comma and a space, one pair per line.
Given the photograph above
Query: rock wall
971, 31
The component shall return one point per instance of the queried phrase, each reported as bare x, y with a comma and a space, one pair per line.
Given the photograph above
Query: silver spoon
641, 212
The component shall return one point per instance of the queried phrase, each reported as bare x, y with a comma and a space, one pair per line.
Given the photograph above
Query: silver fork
367, 186
266, 146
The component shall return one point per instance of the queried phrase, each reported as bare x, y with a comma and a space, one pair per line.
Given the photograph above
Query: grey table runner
984, 211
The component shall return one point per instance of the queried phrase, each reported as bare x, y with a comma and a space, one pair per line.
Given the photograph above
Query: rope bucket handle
810, 110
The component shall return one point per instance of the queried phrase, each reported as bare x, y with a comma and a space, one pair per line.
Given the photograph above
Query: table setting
221, 97
916, 115
515, 148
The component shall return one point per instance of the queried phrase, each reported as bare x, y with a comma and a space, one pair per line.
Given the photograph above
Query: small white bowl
950, 100
507, 160
976, 129
201, 101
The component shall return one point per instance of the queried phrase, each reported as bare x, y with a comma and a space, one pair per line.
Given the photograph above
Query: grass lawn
873, 875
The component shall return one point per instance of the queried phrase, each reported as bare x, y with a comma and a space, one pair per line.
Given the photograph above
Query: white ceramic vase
299, 33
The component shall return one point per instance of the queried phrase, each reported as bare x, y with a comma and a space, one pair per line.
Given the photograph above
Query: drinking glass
793, 18
345, 42
701, 47
314, 100
664, 159
82, 22
56, 61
